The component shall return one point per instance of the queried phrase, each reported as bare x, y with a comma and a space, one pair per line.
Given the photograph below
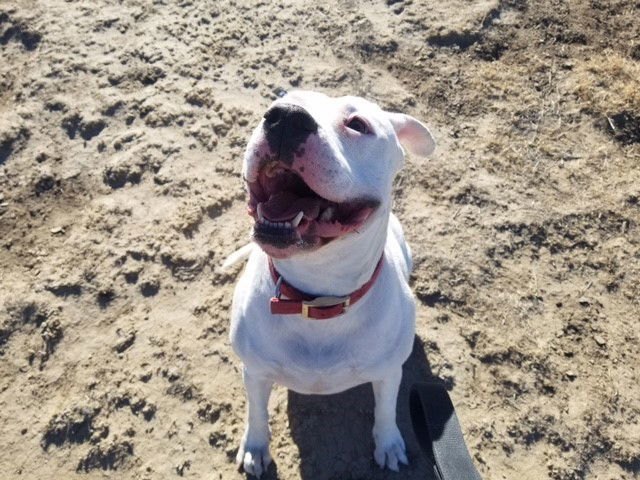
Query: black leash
436, 426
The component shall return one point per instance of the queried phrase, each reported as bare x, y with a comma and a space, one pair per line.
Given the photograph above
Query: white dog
324, 305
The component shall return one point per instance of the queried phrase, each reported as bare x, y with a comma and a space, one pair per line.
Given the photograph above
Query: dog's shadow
333, 432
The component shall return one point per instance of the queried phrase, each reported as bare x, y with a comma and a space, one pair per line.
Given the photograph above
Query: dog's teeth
272, 169
259, 210
268, 170
287, 224
296, 221
327, 215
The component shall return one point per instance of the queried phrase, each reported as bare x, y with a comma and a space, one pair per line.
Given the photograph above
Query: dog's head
319, 168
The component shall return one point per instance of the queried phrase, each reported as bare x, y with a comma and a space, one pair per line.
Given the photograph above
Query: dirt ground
122, 126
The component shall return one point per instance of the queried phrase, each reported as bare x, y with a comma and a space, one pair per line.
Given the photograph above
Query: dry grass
608, 84
500, 81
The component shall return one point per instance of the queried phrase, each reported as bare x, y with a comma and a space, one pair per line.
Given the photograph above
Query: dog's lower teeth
262, 220
269, 223
298, 218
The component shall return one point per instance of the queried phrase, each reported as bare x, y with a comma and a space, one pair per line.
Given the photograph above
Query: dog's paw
253, 459
390, 449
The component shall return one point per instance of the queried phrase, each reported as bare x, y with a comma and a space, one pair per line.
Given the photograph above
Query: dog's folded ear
413, 135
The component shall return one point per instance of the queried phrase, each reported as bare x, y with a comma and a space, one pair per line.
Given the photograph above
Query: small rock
150, 288
45, 183
584, 301
57, 230
125, 342
571, 375
171, 374
180, 469
600, 341
279, 92
149, 411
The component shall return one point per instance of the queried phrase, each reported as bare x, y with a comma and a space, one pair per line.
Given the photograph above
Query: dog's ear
413, 135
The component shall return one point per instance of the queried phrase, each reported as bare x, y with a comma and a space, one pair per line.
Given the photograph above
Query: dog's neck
342, 266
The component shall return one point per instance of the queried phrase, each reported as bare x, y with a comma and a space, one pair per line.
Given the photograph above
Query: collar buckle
319, 308
323, 302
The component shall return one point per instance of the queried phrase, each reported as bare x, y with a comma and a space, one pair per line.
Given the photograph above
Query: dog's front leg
253, 453
390, 448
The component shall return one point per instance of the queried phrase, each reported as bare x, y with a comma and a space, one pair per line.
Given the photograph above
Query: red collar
316, 308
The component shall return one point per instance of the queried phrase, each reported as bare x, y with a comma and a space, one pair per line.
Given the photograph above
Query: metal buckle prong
277, 292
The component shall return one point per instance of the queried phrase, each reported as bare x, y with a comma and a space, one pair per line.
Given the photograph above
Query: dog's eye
358, 125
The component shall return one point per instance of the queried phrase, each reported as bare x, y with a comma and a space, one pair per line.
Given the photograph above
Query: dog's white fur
371, 341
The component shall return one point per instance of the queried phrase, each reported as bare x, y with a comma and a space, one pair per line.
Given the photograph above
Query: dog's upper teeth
327, 215
260, 214
296, 221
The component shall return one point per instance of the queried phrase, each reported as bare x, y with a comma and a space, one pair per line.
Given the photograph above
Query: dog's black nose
291, 118
286, 127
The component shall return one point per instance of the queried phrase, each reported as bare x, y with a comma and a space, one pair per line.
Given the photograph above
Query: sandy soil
122, 125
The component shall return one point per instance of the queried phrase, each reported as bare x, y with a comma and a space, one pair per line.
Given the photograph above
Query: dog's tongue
283, 206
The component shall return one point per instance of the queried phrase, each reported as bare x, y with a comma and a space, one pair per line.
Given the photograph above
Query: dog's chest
312, 367
323, 358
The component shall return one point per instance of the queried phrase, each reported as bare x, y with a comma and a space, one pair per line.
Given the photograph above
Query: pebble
57, 230
279, 92
584, 301
600, 341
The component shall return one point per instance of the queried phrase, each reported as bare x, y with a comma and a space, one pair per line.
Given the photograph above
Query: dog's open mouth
288, 212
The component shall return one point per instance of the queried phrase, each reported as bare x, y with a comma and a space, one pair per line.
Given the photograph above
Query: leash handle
438, 431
